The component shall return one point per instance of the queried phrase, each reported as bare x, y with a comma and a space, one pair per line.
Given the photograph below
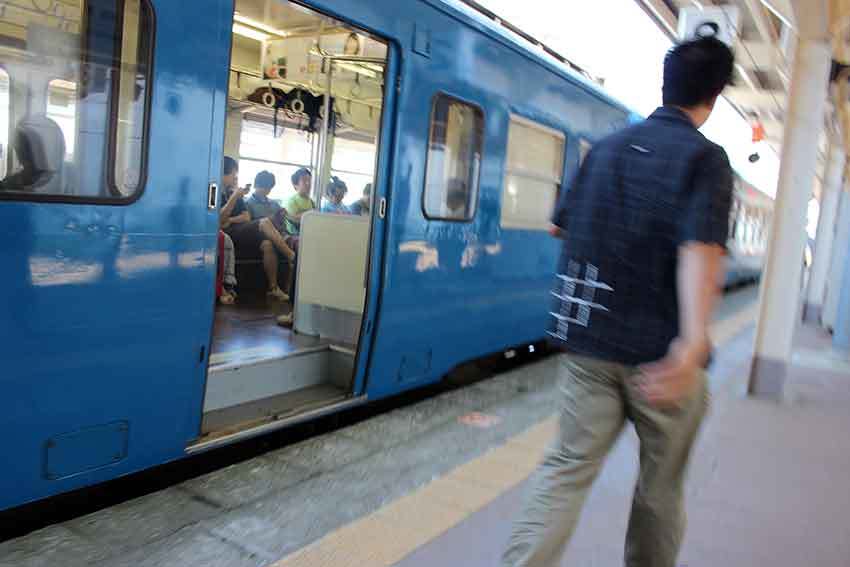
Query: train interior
285, 61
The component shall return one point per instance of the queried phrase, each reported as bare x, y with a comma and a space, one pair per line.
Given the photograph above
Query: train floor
438, 483
248, 330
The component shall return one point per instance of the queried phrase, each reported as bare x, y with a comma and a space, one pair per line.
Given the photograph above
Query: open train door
309, 91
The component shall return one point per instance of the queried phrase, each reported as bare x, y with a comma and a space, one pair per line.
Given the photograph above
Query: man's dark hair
296, 177
230, 165
265, 180
696, 71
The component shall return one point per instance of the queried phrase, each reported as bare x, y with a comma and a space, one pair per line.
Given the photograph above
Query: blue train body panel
109, 307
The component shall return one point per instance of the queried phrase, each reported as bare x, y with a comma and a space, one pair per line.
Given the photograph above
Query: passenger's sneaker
278, 294
285, 320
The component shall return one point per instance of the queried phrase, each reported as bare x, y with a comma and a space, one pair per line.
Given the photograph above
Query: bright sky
616, 40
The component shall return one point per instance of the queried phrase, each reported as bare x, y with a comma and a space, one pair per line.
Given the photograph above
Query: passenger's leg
229, 263
270, 232
657, 521
270, 266
591, 417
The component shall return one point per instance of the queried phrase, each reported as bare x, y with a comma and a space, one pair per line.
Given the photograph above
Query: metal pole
325, 140
779, 310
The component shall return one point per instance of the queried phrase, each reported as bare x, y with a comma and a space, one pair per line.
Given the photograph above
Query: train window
5, 107
533, 177
282, 152
80, 87
454, 159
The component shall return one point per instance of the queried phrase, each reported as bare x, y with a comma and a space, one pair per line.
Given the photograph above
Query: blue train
115, 117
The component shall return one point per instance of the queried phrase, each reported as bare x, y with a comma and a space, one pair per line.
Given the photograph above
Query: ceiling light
260, 26
251, 33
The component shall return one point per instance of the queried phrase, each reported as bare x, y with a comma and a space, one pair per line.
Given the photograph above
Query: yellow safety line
390, 534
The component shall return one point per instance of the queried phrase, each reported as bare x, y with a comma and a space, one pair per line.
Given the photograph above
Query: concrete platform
438, 483
768, 486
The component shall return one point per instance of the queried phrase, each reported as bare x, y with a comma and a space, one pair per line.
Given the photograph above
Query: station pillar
779, 309
830, 193
841, 333
841, 236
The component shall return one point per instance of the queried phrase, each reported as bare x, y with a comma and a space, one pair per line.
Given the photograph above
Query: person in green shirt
300, 203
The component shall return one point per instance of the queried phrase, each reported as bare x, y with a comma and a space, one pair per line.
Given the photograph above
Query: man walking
645, 225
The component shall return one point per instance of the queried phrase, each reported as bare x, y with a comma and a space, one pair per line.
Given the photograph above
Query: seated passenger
361, 205
250, 236
261, 207
299, 203
335, 193
456, 199
259, 204
40, 148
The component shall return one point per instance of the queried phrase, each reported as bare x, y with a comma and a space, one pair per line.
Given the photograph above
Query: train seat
40, 149
330, 286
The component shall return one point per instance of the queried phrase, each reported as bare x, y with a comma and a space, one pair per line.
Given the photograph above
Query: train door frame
375, 258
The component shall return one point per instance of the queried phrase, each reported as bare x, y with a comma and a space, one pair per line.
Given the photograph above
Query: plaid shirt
638, 196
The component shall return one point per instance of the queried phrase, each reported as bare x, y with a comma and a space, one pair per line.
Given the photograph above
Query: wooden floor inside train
248, 330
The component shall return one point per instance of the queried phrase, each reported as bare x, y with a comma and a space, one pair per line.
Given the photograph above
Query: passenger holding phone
248, 235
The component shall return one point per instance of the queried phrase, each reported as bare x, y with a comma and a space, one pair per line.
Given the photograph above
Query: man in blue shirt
259, 204
644, 225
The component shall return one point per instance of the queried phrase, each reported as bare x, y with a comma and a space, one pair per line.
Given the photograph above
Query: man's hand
555, 231
676, 376
242, 191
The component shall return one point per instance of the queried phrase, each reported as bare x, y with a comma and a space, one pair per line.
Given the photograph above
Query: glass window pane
4, 122
454, 159
533, 177
76, 110
260, 141
535, 150
527, 203
62, 109
354, 156
132, 94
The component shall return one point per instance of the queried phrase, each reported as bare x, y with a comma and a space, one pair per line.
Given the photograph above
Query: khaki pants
596, 399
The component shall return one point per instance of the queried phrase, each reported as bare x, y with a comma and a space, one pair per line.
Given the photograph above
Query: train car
115, 117
749, 226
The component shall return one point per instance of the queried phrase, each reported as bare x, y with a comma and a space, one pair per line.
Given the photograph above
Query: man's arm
699, 270
231, 202
698, 279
